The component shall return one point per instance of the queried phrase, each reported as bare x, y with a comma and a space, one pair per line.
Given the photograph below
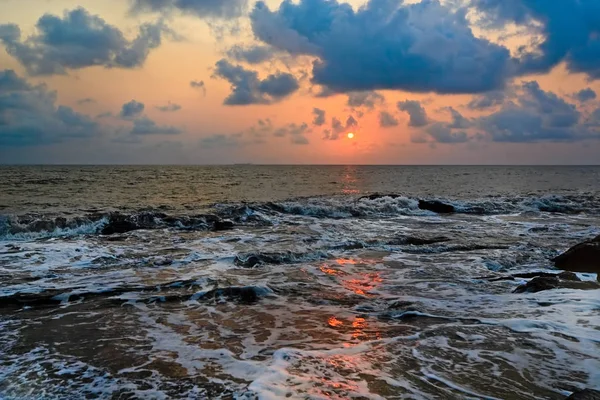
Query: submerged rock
585, 394
436, 206
223, 225
584, 257
539, 284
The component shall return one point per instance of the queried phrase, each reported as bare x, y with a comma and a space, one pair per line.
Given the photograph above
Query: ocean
298, 282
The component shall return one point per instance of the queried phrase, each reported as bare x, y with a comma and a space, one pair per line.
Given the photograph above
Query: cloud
442, 133
87, 100
387, 120
132, 109
79, 40
170, 107
458, 121
247, 88
145, 126
295, 132
418, 116
585, 95
487, 100
251, 54
29, 115
537, 116
338, 128
319, 119
198, 85
199, 8
569, 30
365, 99
385, 44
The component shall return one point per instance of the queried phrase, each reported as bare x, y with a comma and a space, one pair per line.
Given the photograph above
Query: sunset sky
236, 81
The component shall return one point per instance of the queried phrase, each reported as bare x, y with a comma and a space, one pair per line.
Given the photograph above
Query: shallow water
315, 293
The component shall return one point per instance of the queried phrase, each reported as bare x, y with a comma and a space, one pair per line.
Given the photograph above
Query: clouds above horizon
79, 40
247, 88
29, 115
294, 76
198, 8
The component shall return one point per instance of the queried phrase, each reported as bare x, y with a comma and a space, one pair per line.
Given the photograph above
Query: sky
272, 82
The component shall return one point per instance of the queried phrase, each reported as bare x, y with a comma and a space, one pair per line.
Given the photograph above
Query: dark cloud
79, 40
319, 119
297, 133
487, 100
199, 8
458, 121
145, 126
537, 115
569, 28
170, 107
367, 99
247, 88
29, 115
198, 85
585, 95
387, 120
418, 116
337, 128
442, 133
385, 44
132, 109
87, 100
251, 54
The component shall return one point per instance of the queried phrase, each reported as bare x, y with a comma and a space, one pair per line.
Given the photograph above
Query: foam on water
332, 298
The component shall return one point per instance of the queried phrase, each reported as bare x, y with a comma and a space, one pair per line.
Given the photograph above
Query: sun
350, 135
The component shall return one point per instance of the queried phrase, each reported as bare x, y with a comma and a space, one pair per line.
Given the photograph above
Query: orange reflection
362, 285
329, 271
344, 261
334, 322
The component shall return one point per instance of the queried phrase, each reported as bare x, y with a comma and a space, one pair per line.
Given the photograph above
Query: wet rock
586, 394
436, 206
377, 196
421, 241
569, 276
118, 223
539, 284
584, 257
223, 225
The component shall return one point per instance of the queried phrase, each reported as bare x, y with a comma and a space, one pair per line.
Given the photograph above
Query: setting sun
350, 135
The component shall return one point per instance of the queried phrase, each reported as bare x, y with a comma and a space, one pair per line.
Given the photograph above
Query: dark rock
569, 276
247, 261
223, 225
436, 206
118, 223
539, 284
584, 257
585, 394
421, 241
376, 196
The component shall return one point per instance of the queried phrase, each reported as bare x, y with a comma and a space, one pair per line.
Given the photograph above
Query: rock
569, 276
118, 223
584, 257
223, 225
436, 206
421, 241
377, 196
539, 284
585, 394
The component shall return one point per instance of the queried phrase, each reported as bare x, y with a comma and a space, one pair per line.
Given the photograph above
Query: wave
226, 216
177, 291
